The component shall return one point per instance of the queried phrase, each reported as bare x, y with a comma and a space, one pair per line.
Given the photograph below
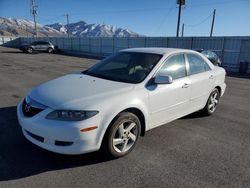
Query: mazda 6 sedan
113, 103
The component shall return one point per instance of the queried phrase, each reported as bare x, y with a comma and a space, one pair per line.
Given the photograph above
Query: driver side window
175, 67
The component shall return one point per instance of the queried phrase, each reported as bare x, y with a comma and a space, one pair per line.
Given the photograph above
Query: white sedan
117, 100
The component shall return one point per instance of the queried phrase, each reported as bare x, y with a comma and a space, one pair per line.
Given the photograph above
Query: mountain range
23, 27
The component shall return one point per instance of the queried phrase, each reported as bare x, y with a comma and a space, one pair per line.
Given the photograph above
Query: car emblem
27, 107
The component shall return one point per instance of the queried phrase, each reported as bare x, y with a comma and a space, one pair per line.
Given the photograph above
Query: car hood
76, 91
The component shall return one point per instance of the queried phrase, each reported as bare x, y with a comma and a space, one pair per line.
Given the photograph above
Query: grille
29, 110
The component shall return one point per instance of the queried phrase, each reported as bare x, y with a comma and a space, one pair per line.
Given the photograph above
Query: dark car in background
41, 46
211, 55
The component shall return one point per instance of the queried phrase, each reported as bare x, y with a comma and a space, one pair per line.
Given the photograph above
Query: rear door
202, 80
170, 101
44, 46
38, 45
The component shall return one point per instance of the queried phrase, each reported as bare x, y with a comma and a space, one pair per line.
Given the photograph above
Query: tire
50, 50
30, 50
212, 102
122, 135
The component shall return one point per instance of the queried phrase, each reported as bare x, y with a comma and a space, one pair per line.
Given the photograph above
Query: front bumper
48, 133
223, 88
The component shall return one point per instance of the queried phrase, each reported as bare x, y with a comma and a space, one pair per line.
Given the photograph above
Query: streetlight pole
182, 30
34, 12
67, 16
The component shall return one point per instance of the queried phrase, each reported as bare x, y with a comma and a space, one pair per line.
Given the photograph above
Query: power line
118, 11
160, 26
214, 3
51, 20
204, 20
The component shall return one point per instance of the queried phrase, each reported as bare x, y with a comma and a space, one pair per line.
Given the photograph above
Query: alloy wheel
214, 99
125, 136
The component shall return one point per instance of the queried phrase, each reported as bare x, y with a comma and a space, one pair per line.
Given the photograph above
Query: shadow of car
18, 156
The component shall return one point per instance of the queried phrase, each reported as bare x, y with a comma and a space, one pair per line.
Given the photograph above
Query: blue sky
147, 17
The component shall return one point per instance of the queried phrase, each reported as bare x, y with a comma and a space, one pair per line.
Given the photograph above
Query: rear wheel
30, 50
122, 136
212, 102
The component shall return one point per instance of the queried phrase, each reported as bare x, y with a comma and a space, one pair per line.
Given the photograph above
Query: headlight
71, 115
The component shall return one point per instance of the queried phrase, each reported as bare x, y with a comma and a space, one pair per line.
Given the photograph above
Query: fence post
79, 47
128, 42
191, 43
63, 43
223, 50
100, 45
113, 44
145, 41
19, 42
89, 44
71, 44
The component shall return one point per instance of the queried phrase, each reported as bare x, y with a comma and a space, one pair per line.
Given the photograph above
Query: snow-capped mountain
22, 27
84, 29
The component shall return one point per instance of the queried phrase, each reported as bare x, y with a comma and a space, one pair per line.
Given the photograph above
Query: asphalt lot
190, 152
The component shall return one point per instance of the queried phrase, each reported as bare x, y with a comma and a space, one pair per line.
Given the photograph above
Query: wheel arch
219, 89
141, 117
135, 111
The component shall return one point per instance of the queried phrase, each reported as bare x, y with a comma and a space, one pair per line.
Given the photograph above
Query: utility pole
67, 16
34, 13
182, 30
180, 3
212, 26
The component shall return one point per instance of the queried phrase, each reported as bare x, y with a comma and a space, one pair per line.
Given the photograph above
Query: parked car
41, 46
211, 55
117, 100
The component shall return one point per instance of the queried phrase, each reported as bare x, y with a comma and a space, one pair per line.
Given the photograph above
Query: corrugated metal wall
231, 50
10, 41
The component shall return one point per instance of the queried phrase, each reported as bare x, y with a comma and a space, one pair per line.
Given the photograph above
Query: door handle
211, 77
185, 85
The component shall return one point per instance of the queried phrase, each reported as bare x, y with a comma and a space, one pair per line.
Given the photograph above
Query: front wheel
212, 102
122, 136
50, 50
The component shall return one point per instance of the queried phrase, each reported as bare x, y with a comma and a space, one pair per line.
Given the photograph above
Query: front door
170, 101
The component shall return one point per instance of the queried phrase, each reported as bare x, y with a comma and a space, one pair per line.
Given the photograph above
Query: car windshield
129, 67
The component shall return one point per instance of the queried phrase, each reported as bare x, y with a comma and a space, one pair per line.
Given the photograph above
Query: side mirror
163, 79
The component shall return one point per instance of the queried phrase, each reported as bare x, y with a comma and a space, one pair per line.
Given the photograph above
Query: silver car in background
41, 46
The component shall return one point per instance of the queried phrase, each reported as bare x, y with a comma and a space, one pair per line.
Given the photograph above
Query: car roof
162, 51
